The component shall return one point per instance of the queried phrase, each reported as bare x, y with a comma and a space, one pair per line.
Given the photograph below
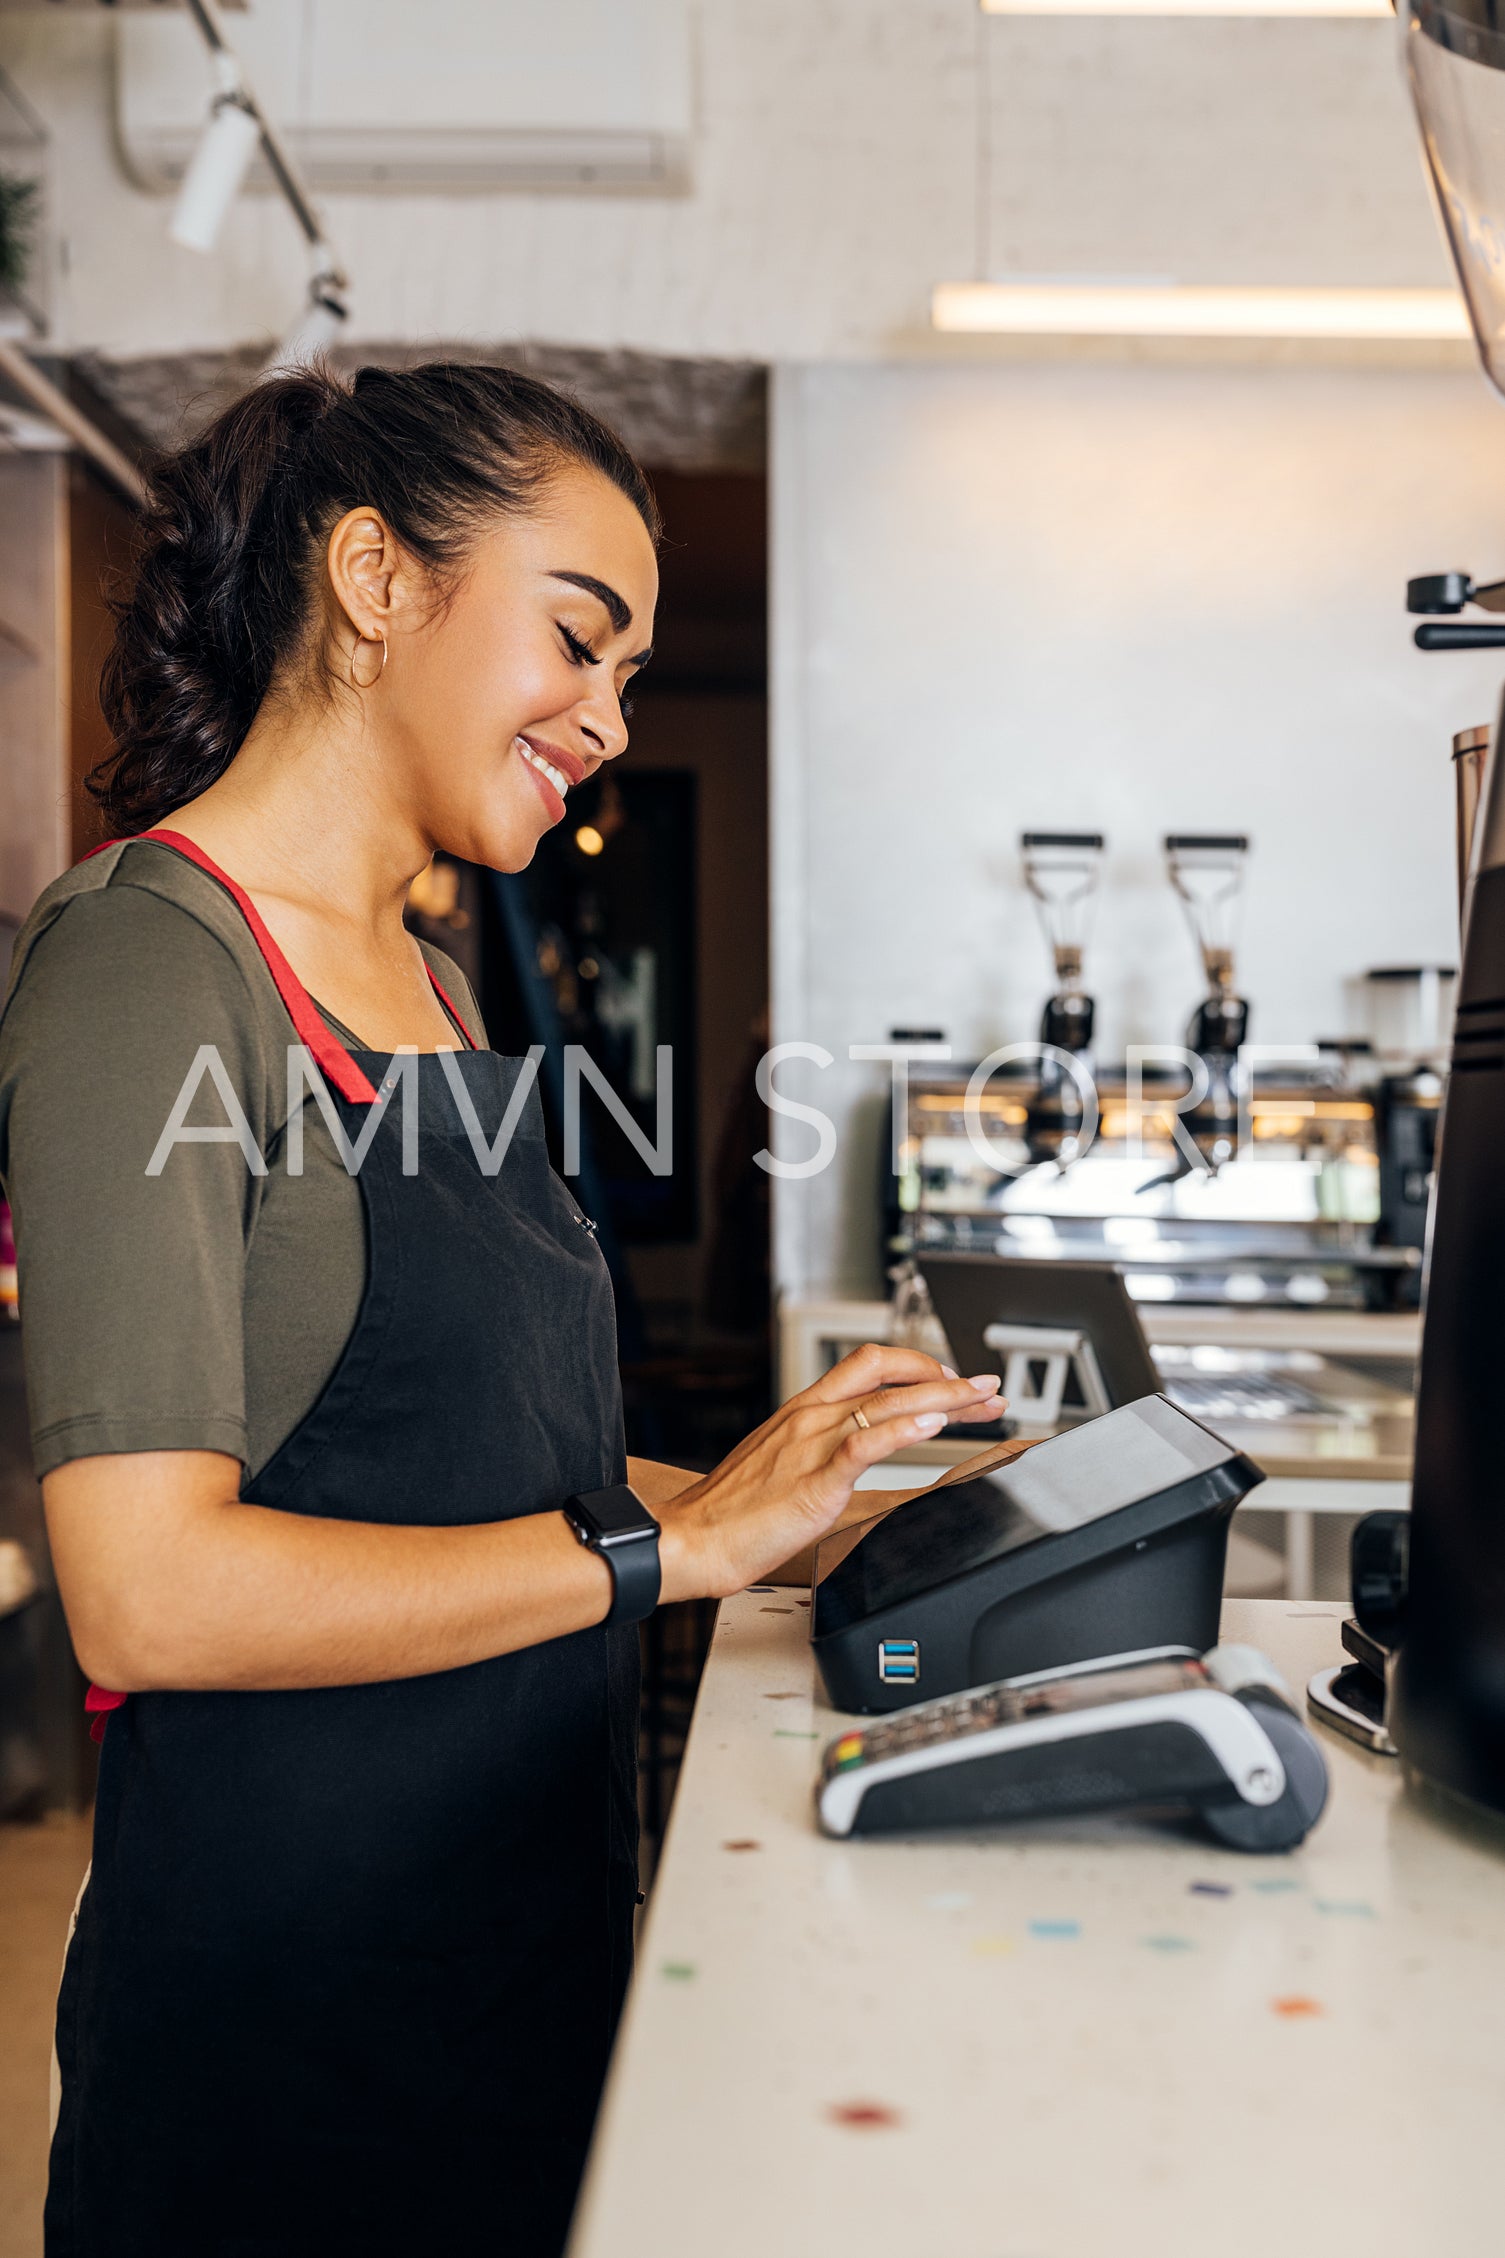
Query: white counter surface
1082, 2043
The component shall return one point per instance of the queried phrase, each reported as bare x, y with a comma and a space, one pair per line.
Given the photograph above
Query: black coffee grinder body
1446, 1710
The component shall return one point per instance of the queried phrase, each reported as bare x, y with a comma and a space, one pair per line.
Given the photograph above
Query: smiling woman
475, 529
331, 1444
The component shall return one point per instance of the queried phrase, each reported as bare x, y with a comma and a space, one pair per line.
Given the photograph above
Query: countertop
1063, 2043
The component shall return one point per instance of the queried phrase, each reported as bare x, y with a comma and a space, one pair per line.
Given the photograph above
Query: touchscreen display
1067, 1483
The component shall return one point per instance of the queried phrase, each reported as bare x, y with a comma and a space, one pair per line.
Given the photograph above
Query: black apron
346, 1973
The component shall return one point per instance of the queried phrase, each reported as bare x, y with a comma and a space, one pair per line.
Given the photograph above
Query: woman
319, 1378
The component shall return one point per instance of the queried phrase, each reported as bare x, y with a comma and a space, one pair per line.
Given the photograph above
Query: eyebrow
617, 611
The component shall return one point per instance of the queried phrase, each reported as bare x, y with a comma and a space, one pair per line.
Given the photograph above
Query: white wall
835, 180
1089, 598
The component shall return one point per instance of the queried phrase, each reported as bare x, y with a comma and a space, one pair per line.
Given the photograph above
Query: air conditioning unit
466, 94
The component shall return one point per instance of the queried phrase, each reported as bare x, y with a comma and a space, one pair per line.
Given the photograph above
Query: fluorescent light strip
1050, 309
1187, 8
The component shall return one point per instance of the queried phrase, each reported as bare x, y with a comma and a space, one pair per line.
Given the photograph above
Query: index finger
874, 1365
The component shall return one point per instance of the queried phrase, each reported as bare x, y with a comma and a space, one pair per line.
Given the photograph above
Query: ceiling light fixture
216, 169
1187, 8
321, 324
1109, 309
237, 127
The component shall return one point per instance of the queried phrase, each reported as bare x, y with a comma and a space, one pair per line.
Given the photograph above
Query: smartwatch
616, 1524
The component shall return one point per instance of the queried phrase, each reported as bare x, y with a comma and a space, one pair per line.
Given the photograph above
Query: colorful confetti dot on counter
864, 2116
775, 1610
1055, 1928
992, 1948
743, 1842
783, 1697
782, 1733
1170, 1944
1210, 1889
1297, 2006
678, 1971
1275, 1889
1354, 1907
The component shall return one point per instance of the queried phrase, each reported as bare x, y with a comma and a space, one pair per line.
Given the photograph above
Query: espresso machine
1295, 1222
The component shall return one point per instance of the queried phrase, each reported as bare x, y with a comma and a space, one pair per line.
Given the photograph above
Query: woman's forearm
170, 1582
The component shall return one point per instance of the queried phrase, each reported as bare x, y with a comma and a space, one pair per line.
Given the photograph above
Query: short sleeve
131, 1023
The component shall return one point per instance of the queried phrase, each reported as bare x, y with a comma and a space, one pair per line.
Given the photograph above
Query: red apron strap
98, 1702
334, 1061
449, 1007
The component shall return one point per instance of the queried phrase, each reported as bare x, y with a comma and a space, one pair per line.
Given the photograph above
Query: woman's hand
788, 1483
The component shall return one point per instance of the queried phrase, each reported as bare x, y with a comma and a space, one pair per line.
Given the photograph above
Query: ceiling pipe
86, 435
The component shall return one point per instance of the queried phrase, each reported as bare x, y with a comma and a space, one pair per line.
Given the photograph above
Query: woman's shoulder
133, 886
135, 944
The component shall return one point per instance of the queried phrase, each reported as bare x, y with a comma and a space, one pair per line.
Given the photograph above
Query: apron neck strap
324, 1046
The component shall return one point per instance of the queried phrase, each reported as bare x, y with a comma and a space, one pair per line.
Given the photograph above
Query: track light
322, 325
215, 172
237, 126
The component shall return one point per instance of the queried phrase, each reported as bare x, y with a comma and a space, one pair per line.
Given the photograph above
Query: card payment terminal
1215, 1735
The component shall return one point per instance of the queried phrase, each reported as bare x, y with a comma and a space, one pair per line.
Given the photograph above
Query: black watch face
615, 1513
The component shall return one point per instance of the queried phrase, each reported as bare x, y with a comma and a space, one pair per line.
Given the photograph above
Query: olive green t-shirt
204, 1307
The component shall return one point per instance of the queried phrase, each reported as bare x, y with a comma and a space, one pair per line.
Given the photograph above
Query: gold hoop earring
381, 670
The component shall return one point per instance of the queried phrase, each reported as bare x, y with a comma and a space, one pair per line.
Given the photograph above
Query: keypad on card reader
923, 1726
987, 1707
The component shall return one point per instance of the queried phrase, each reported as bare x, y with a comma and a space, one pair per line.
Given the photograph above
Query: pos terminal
1108, 1539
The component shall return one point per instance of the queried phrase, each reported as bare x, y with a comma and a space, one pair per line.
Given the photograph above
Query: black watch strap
616, 1524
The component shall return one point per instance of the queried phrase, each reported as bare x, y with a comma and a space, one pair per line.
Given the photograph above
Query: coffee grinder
1207, 871
1062, 870
1430, 1589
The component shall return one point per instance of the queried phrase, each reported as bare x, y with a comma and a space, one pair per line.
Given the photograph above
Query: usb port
899, 1661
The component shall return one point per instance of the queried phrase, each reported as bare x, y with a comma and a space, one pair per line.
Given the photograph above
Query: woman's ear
363, 565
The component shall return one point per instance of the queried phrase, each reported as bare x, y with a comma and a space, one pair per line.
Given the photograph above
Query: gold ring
861, 1417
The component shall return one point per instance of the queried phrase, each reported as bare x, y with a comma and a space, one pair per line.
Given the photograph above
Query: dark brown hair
231, 542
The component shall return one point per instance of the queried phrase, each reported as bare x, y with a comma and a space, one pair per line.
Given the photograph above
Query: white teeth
560, 783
